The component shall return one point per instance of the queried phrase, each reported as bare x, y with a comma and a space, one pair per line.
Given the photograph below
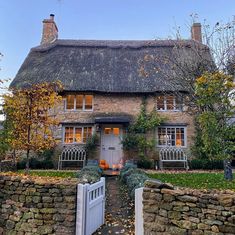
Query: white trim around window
74, 105
169, 102
172, 136
76, 134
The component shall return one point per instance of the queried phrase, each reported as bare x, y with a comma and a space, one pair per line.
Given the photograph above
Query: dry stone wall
37, 206
186, 211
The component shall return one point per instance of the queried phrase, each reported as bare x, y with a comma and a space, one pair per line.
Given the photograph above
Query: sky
21, 22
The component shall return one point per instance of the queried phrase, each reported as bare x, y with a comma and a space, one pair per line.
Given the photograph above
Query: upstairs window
77, 135
171, 136
79, 102
169, 102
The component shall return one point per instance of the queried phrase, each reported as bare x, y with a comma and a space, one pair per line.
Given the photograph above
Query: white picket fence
90, 207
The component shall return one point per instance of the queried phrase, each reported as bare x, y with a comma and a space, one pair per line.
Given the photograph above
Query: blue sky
21, 21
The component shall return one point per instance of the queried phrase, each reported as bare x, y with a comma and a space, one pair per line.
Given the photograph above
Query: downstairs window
77, 134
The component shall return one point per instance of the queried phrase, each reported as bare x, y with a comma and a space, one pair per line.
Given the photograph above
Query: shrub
145, 164
93, 168
89, 177
134, 181
130, 171
206, 164
36, 164
89, 174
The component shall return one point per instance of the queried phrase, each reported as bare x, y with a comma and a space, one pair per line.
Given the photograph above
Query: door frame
121, 129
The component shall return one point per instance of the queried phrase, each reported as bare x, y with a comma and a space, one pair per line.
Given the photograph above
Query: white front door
111, 146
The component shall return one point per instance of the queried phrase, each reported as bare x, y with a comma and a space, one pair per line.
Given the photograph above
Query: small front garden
207, 180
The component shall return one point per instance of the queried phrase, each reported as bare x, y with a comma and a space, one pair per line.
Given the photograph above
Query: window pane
79, 101
116, 131
88, 101
68, 135
180, 137
70, 101
78, 135
170, 102
107, 131
160, 103
161, 136
171, 136
87, 133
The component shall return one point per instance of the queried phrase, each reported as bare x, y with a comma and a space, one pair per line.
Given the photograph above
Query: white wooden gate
90, 207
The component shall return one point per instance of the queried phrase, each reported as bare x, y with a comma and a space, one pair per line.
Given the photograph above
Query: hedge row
134, 178
89, 174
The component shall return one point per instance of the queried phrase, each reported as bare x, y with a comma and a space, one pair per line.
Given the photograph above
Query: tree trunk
228, 173
27, 163
14, 159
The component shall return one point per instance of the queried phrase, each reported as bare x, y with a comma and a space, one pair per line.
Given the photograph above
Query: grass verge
50, 173
196, 180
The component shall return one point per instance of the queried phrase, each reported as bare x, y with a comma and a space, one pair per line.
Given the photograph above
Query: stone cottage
104, 85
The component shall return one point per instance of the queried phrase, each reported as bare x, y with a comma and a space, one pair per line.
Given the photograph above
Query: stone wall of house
120, 105
186, 211
37, 206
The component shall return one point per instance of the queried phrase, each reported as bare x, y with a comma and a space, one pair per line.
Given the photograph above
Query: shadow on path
119, 214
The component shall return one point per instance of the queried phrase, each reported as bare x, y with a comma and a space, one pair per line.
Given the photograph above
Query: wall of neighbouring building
37, 206
186, 211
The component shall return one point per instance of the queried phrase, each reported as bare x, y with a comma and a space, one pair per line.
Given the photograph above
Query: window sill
165, 146
78, 110
177, 110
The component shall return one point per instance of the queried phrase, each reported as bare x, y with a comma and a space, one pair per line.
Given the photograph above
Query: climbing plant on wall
140, 134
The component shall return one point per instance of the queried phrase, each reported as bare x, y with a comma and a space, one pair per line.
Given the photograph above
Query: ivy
138, 137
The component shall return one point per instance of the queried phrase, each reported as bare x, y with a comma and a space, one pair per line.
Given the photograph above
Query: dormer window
169, 103
79, 102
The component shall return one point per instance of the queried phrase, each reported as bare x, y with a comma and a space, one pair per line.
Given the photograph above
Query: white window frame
74, 127
83, 103
173, 126
165, 104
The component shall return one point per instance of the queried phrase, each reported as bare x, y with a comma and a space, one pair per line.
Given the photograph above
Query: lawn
51, 173
196, 180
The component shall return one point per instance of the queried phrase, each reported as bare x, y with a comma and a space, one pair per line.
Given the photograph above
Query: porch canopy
113, 119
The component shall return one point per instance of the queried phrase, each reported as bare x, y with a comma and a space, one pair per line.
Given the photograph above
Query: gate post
81, 209
139, 222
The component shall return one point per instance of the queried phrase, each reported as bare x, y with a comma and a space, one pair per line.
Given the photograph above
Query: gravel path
119, 209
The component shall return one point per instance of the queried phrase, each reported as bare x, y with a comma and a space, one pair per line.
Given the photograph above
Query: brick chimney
196, 32
50, 30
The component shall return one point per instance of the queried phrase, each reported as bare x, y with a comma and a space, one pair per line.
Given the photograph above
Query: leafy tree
4, 141
31, 111
138, 137
215, 93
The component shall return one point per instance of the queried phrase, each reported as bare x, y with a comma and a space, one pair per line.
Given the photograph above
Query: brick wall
37, 206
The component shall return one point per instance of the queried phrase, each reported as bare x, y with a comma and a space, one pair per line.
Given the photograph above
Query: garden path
119, 214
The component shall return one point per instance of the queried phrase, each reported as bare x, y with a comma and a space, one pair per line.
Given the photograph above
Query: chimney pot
50, 30
196, 32
52, 16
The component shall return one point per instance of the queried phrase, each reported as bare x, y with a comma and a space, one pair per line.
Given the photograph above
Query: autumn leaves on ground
119, 209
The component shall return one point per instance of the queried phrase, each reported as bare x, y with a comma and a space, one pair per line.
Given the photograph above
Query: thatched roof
104, 66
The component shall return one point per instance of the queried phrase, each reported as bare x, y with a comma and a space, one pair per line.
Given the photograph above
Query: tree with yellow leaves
31, 111
215, 93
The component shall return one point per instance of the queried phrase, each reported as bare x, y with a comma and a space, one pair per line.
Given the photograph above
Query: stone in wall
37, 206
180, 211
